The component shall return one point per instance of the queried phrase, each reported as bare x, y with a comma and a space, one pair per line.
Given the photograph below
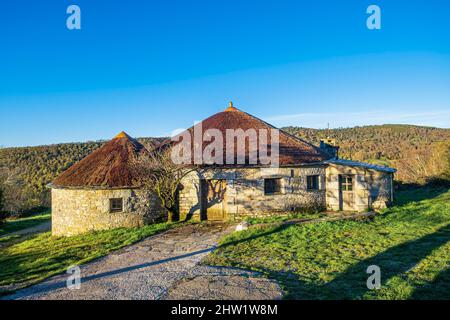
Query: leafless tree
157, 173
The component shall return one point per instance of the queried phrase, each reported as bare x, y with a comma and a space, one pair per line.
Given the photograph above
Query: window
312, 182
116, 205
272, 186
346, 183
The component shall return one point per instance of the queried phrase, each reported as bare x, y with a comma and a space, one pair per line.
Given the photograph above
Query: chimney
329, 146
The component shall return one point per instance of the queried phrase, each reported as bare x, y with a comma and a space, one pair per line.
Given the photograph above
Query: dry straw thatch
109, 166
292, 150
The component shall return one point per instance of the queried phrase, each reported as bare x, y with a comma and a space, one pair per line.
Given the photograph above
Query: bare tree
157, 173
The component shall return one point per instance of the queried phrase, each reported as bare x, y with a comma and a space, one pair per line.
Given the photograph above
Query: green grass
328, 260
290, 216
12, 225
8, 238
41, 256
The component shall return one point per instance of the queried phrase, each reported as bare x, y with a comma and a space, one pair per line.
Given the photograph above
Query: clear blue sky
150, 67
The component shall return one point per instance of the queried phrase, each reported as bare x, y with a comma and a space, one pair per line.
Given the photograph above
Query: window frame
114, 208
275, 187
345, 184
315, 182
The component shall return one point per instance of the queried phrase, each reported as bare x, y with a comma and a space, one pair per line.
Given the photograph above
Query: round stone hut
100, 192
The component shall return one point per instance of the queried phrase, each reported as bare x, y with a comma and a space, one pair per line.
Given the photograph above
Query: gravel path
165, 266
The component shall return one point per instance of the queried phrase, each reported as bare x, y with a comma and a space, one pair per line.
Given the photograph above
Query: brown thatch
292, 150
109, 166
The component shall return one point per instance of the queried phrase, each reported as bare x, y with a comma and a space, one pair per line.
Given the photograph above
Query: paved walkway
165, 266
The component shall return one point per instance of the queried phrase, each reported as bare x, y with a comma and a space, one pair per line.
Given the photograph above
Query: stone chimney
329, 146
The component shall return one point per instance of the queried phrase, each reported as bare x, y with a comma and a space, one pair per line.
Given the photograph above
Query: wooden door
215, 199
346, 195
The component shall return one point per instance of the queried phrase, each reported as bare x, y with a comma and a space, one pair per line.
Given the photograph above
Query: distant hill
25, 171
417, 152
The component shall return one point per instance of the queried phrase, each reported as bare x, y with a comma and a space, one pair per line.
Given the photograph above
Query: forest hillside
419, 154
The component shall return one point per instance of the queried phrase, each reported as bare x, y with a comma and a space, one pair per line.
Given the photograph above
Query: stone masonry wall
76, 211
245, 191
372, 189
380, 189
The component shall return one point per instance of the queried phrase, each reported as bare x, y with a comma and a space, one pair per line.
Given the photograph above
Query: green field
328, 260
13, 225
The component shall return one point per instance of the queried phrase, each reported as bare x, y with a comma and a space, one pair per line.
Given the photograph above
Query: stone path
213, 283
165, 266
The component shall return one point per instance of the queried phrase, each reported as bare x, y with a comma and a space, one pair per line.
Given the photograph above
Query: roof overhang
364, 165
54, 186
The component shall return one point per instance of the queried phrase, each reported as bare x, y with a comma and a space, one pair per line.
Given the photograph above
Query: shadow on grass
351, 284
408, 193
438, 289
255, 236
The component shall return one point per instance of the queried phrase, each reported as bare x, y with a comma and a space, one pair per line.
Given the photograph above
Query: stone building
100, 192
307, 178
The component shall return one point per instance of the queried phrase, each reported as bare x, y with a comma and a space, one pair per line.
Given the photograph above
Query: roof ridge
122, 134
289, 135
231, 108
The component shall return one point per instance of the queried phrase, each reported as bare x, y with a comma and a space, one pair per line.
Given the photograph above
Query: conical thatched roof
110, 166
292, 150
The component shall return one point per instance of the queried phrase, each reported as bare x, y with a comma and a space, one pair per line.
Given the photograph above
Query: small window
312, 182
272, 186
116, 205
346, 183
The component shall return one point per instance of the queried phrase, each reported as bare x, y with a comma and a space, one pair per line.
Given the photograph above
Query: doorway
213, 199
346, 194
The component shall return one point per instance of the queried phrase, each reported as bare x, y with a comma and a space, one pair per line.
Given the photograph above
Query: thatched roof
292, 150
110, 166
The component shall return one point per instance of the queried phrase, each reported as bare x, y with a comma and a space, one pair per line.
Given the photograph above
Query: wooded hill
25, 172
418, 153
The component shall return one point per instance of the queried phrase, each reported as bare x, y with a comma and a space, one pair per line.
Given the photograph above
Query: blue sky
150, 67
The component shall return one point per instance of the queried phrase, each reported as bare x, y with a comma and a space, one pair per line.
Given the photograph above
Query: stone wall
76, 211
245, 191
381, 189
371, 189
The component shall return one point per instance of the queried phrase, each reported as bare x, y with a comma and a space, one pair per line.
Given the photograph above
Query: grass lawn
290, 216
12, 225
41, 256
410, 242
